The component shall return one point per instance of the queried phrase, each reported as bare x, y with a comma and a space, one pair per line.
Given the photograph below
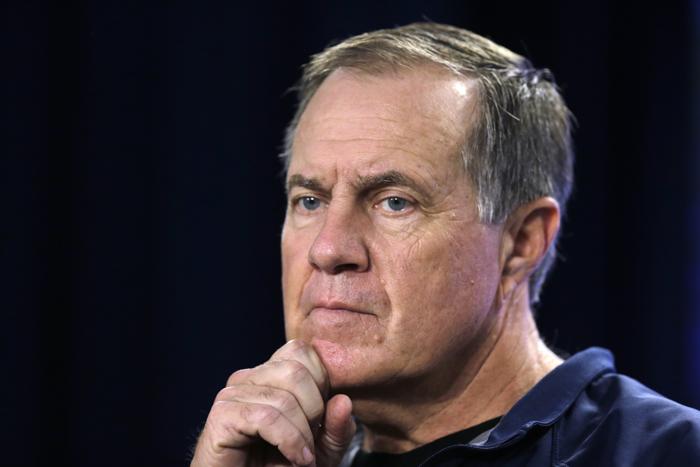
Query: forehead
417, 117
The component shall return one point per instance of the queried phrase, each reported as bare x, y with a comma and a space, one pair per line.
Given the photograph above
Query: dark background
141, 208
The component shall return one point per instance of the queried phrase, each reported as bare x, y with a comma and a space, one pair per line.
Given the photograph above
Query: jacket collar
547, 401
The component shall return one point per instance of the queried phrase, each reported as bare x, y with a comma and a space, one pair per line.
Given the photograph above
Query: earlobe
529, 232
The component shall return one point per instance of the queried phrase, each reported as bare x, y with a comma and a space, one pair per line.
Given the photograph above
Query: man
427, 173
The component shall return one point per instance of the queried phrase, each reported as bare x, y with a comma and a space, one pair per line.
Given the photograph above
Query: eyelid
295, 197
295, 200
393, 193
382, 197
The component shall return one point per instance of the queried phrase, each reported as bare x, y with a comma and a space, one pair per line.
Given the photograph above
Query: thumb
336, 433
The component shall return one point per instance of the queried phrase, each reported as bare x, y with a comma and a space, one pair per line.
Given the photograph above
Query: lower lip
342, 327
337, 317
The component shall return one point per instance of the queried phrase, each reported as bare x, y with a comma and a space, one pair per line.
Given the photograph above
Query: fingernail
308, 457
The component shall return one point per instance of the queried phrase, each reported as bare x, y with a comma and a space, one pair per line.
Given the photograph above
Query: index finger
305, 354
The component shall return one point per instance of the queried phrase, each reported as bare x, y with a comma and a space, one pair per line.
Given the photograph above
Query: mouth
338, 307
339, 316
342, 323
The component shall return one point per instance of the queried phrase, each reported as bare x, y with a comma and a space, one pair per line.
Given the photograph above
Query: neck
505, 366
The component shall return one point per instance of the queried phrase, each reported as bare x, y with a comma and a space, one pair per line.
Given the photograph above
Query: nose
339, 245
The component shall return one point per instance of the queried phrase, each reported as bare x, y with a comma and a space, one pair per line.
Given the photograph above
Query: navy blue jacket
584, 413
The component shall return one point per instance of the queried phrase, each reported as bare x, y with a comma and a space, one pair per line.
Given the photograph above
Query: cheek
441, 284
295, 272
295, 245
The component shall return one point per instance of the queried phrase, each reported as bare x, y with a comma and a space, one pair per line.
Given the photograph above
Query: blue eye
395, 204
310, 203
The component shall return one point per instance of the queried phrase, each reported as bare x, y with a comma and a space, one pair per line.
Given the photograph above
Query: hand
270, 415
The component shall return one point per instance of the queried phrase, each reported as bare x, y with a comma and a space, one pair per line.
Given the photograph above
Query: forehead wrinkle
432, 123
347, 130
426, 106
429, 125
419, 126
420, 146
351, 140
406, 151
332, 118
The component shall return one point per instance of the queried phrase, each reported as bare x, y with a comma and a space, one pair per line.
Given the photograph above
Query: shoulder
618, 395
626, 420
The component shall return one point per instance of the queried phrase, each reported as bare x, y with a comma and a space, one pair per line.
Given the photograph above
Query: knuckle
283, 400
259, 414
295, 348
220, 424
224, 429
298, 349
237, 376
247, 413
263, 414
287, 402
296, 345
224, 394
218, 410
296, 371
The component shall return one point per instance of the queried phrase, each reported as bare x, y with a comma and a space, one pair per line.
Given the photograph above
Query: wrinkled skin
408, 257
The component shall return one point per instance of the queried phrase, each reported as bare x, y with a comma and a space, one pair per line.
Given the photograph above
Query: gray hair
520, 148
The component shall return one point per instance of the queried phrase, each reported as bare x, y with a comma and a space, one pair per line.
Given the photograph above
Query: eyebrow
364, 184
313, 184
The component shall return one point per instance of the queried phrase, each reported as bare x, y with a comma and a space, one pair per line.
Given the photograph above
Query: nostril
345, 267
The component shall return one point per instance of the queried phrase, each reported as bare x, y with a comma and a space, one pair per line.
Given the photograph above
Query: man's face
386, 270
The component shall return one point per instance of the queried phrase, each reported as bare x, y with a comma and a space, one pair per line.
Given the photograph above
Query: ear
527, 235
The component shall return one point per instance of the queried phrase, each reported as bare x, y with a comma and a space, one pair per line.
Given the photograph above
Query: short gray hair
520, 148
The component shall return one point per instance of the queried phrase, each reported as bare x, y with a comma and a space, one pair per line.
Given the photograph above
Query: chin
345, 364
